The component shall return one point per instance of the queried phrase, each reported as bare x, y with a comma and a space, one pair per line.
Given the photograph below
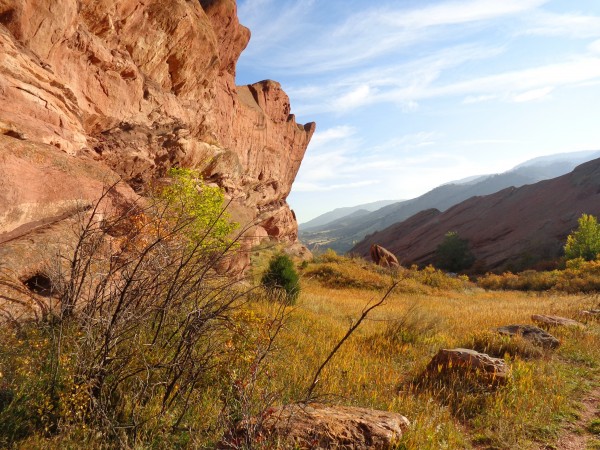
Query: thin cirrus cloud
573, 25
336, 159
406, 80
350, 43
412, 94
359, 37
303, 186
594, 47
523, 85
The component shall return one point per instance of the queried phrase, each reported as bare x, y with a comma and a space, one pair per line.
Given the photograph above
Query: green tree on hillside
585, 241
453, 253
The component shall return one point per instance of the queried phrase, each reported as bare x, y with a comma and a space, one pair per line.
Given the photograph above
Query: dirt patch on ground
576, 436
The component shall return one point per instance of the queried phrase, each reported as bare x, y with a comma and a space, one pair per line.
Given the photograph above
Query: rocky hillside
92, 91
342, 235
514, 228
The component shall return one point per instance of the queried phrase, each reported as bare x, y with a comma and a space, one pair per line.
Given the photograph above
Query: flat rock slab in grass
469, 362
532, 334
555, 321
318, 426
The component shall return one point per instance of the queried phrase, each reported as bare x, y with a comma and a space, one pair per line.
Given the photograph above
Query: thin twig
351, 330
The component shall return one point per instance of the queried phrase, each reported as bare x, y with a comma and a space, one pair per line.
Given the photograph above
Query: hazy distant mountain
514, 228
343, 235
338, 213
574, 158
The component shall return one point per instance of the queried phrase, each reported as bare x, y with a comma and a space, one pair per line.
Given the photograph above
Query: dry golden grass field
271, 353
380, 365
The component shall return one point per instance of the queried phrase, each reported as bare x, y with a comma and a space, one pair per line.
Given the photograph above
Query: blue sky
410, 94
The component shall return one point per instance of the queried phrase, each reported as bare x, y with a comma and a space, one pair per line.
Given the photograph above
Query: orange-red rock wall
137, 87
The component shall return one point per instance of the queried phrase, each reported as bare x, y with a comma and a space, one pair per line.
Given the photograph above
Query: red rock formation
511, 229
383, 257
130, 88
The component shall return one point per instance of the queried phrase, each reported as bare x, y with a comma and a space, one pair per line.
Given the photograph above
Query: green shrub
281, 274
585, 241
188, 198
453, 253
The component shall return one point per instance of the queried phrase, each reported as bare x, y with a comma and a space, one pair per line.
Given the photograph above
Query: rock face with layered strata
95, 90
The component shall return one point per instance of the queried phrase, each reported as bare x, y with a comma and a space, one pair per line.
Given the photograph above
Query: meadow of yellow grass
380, 365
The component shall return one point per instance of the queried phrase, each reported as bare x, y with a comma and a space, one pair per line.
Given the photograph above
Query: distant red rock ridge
516, 228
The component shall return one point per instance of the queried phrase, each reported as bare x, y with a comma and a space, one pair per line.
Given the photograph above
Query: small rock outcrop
383, 257
466, 362
317, 426
555, 321
532, 334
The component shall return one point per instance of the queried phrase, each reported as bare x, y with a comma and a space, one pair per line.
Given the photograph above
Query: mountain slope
339, 213
511, 229
342, 236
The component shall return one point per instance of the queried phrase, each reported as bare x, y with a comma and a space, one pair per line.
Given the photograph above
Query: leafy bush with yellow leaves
578, 276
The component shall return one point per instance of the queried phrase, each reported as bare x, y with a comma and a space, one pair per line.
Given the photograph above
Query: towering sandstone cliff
94, 90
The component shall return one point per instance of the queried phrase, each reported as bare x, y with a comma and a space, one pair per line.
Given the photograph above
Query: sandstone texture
466, 362
555, 321
513, 229
96, 90
318, 426
383, 257
532, 334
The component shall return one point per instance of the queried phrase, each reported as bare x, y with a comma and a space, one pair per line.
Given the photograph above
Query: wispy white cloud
525, 82
407, 80
571, 25
321, 138
479, 142
301, 186
407, 143
594, 47
291, 37
479, 98
532, 83
460, 12
533, 94
359, 96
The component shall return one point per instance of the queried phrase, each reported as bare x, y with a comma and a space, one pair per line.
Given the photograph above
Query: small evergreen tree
282, 274
453, 253
585, 241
